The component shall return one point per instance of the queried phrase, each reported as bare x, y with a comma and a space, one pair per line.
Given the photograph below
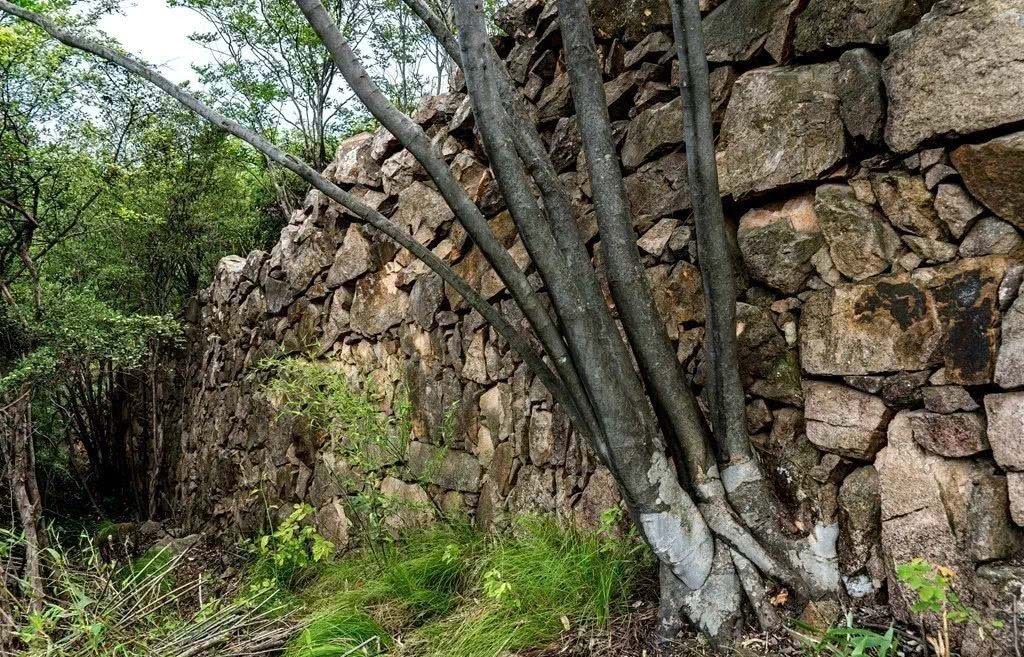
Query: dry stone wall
872, 159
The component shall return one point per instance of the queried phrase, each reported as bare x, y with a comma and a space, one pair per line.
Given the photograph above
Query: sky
159, 35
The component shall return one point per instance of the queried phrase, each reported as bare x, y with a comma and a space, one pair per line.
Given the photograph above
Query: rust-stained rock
943, 315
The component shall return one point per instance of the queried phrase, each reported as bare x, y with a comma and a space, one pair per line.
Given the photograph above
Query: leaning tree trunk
16, 433
712, 520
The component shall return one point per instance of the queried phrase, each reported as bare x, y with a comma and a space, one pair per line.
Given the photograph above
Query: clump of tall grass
534, 585
452, 591
148, 608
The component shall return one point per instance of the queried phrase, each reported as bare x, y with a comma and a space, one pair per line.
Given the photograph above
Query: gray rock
828, 24
378, 304
992, 533
950, 75
861, 95
861, 242
844, 421
422, 209
655, 239
994, 172
632, 19
354, 163
1010, 361
351, 260
534, 491
860, 508
908, 203
737, 30
956, 208
654, 131
782, 127
1015, 490
932, 251
955, 435
778, 241
948, 399
332, 523
444, 467
601, 494
990, 236
408, 507
925, 502
1006, 428
659, 188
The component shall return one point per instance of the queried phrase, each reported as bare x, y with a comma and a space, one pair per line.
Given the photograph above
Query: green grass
451, 591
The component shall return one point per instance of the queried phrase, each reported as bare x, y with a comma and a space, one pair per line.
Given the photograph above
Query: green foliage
534, 584
320, 395
288, 553
452, 591
847, 641
933, 585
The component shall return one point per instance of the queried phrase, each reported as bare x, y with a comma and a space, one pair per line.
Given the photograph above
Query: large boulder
844, 421
861, 242
953, 73
778, 241
782, 127
828, 24
994, 172
947, 315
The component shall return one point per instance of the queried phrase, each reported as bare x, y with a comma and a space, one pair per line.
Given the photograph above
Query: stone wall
874, 171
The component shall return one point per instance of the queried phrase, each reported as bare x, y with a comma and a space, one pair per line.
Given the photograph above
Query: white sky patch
159, 35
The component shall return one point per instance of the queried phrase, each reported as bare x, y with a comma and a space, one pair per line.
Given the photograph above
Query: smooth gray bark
668, 518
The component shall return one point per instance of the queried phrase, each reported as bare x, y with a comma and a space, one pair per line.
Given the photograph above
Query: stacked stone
874, 173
